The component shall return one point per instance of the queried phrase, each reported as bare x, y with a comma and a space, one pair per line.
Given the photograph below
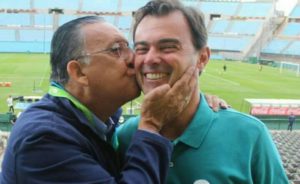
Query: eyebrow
120, 39
169, 40
164, 40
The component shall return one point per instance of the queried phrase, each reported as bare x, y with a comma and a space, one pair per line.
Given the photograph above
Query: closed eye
168, 48
116, 49
141, 50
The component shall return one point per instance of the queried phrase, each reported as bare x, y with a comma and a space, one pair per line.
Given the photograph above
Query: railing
278, 122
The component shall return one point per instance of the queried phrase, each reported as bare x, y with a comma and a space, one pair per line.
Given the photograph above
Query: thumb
158, 92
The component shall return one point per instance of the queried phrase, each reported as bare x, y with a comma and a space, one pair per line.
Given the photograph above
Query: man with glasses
68, 136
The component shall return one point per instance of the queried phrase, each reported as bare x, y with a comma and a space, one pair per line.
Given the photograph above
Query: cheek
138, 67
179, 67
138, 62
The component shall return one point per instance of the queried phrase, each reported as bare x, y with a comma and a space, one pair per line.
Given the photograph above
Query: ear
75, 71
203, 58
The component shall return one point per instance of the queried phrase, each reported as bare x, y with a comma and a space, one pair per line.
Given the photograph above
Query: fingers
152, 116
158, 92
184, 87
223, 104
209, 100
215, 103
187, 79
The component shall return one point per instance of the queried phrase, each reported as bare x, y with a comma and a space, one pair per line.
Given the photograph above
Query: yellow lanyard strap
58, 92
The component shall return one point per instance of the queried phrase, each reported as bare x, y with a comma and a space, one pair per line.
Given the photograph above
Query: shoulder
43, 122
240, 122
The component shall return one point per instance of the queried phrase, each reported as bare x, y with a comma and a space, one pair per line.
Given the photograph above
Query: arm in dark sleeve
150, 160
53, 156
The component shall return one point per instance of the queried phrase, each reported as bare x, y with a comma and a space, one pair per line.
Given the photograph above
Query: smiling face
163, 50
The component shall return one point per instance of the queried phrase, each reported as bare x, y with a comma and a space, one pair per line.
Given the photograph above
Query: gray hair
194, 18
68, 44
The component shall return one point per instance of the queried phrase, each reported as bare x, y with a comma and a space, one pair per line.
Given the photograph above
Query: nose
152, 56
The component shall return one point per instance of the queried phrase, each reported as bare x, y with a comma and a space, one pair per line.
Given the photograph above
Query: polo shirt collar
200, 125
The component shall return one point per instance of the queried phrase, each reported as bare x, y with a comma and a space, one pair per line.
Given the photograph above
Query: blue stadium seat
110, 19
216, 57
22, 19
65, 18
219, 26
43, 19
292, 29
7, 35
275, 46
293, 49
133, 5
228, 43
190, 3
103, 5
39, 47
296, 12
15, 4
36, 35
125, 22
245, 27
63, 4
255, 9
222, 8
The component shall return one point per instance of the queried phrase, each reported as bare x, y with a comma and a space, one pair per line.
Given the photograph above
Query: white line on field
44, 76
225, 80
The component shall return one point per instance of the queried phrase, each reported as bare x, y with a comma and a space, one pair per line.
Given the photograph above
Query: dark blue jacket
52, 142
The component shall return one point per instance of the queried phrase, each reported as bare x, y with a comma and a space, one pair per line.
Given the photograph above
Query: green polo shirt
219, 148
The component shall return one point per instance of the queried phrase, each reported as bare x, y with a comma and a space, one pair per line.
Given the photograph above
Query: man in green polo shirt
209, 147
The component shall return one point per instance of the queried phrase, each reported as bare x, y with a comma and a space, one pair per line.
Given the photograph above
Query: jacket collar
102, 129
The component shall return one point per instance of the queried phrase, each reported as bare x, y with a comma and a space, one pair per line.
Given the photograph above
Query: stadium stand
43, 20
237, 30
11, 19
288, 146
64, 4
221, 8
296, 12
285, 42
15, 4
255, 9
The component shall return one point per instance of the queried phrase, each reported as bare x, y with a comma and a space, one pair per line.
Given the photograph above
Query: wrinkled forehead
102, 33
172, 26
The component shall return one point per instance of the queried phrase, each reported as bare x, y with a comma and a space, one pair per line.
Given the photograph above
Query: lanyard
59, 92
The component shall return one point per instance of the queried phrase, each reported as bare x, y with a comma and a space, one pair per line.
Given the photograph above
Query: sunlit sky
285, 5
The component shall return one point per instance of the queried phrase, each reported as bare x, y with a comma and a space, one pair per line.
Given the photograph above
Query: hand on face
164, 103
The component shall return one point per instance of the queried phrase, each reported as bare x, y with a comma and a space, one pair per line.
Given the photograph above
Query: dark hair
194, 18
67, 44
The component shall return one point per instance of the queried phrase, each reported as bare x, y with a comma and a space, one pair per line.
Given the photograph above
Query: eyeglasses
118, 49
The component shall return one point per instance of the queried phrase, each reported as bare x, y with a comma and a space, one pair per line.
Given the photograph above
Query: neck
99, 106
175, 128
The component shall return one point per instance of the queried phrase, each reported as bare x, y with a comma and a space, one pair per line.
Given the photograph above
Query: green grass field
29, 74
